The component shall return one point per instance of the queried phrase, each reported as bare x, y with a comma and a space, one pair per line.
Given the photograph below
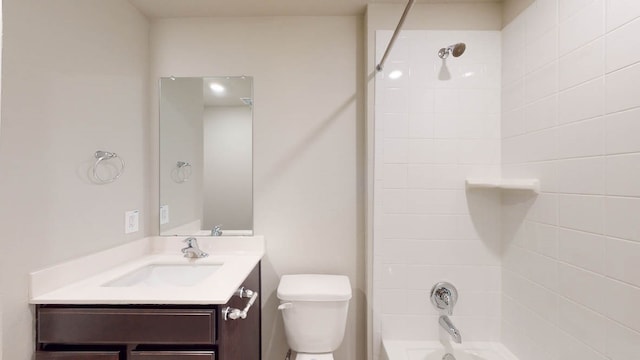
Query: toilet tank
314, 309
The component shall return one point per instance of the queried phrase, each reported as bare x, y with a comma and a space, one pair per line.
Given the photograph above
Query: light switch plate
131, 221
164, 214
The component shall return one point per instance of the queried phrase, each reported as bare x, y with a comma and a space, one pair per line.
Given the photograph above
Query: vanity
153, 304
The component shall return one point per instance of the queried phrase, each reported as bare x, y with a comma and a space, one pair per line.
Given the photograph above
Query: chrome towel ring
183, 171
105, 156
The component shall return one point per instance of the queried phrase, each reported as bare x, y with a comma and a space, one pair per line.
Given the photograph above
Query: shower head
455, 49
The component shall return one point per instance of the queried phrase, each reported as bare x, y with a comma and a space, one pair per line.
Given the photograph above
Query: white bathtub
435, 350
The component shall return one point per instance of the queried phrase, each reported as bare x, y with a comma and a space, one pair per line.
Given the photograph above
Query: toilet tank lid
314, 287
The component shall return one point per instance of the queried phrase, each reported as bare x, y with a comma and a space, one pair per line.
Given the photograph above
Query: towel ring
183, 172
104, 156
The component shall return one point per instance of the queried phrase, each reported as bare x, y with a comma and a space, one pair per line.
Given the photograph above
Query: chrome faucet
193, 250
446, 323
217, 230
444, 297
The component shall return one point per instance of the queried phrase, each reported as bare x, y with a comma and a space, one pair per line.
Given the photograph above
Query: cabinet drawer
173, 355
126, 326
77, 355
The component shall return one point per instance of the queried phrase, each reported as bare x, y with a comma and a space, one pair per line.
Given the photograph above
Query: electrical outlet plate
131, 221
164, 214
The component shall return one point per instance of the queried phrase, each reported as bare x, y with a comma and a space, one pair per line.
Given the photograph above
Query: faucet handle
444, 297
191, 241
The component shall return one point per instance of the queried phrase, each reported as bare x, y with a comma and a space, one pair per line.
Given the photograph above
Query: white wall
228, 165
571, 110
308, 144
74, 80
182, 109
436, 125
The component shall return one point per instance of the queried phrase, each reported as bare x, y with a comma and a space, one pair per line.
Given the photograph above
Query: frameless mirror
206, 162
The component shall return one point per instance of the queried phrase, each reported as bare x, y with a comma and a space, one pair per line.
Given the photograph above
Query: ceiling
204, 8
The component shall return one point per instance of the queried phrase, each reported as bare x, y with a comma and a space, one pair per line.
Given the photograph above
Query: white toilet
314, 308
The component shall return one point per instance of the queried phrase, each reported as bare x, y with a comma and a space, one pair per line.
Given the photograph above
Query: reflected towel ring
184, 171
103, 156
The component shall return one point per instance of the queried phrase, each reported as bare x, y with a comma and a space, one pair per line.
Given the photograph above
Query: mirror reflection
206, 162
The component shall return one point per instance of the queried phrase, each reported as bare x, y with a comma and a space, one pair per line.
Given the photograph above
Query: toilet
314, 309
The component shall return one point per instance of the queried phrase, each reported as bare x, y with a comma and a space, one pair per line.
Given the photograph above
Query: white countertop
81, 281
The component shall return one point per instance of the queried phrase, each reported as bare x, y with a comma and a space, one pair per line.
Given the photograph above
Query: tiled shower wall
435, 125
571, 117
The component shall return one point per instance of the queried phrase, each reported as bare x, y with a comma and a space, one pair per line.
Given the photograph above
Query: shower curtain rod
395, 35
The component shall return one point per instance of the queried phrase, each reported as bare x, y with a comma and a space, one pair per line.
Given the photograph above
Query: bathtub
435, 350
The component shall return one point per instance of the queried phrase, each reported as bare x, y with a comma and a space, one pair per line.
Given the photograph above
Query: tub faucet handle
444, 297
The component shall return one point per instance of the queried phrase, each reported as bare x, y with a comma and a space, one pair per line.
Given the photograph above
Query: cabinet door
77, 355
173, 355
240, 339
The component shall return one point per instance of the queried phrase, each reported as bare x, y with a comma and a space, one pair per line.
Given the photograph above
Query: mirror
206, 163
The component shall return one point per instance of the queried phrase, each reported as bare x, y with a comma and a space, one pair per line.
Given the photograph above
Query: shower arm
380, 66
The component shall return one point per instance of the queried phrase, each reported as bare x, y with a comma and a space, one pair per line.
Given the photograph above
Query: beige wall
75, 80
308, 143
512, 8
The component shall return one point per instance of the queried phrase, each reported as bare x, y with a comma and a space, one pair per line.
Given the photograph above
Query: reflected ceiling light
469, 74
217, 88
395, 74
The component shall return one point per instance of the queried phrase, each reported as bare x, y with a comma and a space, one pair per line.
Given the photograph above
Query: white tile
623, 46
465, 277
622, 343
622, 89
512, 66
395, 151
570, 348
446, 125
409, 327
583, 64
394, 125
542, 145
623, 132
540, 17
568, 8
394, 176
421, 151
580, 139
445, 151
394, 201
393, 301
582, 249
513, 96
395, 67
419, 102
580, 212
404, 226
582, 176
541, 83
622, 303
541, 51
421, 125
541, 114
393, 276
623, 175
620, 12
581, 28
546, 238
541, 270
622, 259
583, 324
582, 102
513, 123
392, 100
479, 152
545, 209
583, 287
621, 217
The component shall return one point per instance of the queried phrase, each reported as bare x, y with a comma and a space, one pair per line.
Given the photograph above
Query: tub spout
446, 323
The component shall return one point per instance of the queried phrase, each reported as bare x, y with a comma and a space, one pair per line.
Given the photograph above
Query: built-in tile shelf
504, 184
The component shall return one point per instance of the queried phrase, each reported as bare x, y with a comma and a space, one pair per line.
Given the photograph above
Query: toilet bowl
314, 309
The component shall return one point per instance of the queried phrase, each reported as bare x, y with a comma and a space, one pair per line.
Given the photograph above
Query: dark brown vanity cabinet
150, 332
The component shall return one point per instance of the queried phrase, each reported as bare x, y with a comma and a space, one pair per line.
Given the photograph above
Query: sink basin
163, 275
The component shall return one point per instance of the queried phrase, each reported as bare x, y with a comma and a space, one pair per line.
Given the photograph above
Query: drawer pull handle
230, 313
